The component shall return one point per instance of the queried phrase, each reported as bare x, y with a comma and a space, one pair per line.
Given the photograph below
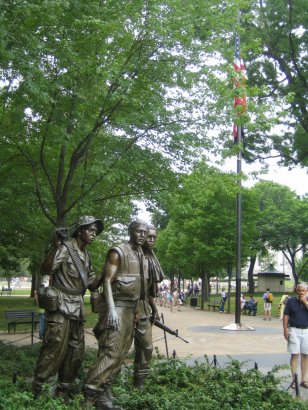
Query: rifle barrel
168, 330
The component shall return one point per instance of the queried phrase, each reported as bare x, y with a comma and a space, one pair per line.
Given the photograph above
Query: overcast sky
296, 179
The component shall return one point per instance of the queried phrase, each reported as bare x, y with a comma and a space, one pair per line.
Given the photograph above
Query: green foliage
99, 101
278, 69
171, 384
283, 223
201, 233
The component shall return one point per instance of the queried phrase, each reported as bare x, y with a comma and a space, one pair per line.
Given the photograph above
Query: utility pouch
95, 301
48, 298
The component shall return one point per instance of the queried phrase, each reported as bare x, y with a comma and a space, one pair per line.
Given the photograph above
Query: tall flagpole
239, 100
238, 286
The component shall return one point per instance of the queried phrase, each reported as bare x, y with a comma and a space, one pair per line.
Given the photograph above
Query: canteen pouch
95, 301
48, 298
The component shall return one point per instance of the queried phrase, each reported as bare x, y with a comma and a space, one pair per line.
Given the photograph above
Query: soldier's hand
154, 315
113, 321
56, 240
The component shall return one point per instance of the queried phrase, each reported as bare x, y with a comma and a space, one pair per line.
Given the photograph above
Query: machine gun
167, 329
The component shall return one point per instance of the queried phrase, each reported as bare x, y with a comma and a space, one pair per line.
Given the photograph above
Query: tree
100, 100
97, 97
283, 223
9, 264
280, 72
201, 233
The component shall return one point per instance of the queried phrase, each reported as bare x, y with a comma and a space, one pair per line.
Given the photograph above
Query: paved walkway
264, 346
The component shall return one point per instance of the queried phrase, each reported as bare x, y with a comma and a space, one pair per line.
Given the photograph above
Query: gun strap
142, 290
78, 264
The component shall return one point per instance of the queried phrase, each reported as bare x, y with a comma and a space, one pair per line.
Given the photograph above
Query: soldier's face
151, 238
88, 234
139, 234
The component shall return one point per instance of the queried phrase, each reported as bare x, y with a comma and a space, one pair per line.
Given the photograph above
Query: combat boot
139, 384
108, 391
64, 391
104, 401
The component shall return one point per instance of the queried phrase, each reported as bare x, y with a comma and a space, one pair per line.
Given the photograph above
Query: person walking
222, 300
295, 330
268, 300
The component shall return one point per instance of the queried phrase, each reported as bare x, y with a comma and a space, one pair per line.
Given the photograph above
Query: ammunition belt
75, 292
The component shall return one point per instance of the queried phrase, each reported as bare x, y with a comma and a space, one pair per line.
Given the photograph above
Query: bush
175, 385
172, 384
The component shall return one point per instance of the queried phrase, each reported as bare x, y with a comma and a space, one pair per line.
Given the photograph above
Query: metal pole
238, 231
32, 326
238, 214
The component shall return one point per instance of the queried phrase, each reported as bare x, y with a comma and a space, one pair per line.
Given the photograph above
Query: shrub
172, 384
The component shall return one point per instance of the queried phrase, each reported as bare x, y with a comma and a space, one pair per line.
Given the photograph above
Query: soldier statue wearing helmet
71, 274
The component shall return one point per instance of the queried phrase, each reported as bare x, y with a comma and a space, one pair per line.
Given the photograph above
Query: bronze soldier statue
125, 274
147, 312
69, 266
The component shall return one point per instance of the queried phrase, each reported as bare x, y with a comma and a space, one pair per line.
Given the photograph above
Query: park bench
215, 305
20, 317
6, 291
250, 310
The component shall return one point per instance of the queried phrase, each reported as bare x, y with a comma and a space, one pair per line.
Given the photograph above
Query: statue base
238, 326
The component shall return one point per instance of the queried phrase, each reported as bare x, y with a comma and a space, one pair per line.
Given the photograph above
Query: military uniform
63, 346
143, 332
114, 345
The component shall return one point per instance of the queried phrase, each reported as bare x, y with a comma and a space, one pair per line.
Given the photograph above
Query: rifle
167, 329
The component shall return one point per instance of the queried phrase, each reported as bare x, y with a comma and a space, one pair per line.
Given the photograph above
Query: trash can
193, 302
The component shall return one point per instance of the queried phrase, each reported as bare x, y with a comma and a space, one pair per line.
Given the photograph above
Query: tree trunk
203, 288
251, 282
293, 268
33, 284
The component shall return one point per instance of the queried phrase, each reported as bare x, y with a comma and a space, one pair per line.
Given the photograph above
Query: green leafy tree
98, 98
201, 233
9, 263
278, 67
99, 101
283, 223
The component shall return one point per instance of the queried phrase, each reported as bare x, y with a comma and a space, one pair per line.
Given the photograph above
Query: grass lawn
26, 302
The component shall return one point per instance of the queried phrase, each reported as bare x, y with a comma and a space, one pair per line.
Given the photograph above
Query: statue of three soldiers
126, 308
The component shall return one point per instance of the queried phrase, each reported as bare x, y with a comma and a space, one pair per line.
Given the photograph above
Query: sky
296, 179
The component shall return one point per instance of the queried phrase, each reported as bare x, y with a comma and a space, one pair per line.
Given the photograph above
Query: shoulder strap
78, 263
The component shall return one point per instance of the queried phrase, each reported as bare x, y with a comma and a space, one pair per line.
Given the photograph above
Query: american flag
240, 104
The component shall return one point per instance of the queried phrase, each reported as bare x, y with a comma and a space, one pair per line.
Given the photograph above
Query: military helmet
87, 220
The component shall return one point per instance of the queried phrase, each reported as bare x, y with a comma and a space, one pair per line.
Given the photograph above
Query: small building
272, 279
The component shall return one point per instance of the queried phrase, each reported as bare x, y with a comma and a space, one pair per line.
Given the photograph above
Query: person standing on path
222, 300
268, 300
295, 330
282, 304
